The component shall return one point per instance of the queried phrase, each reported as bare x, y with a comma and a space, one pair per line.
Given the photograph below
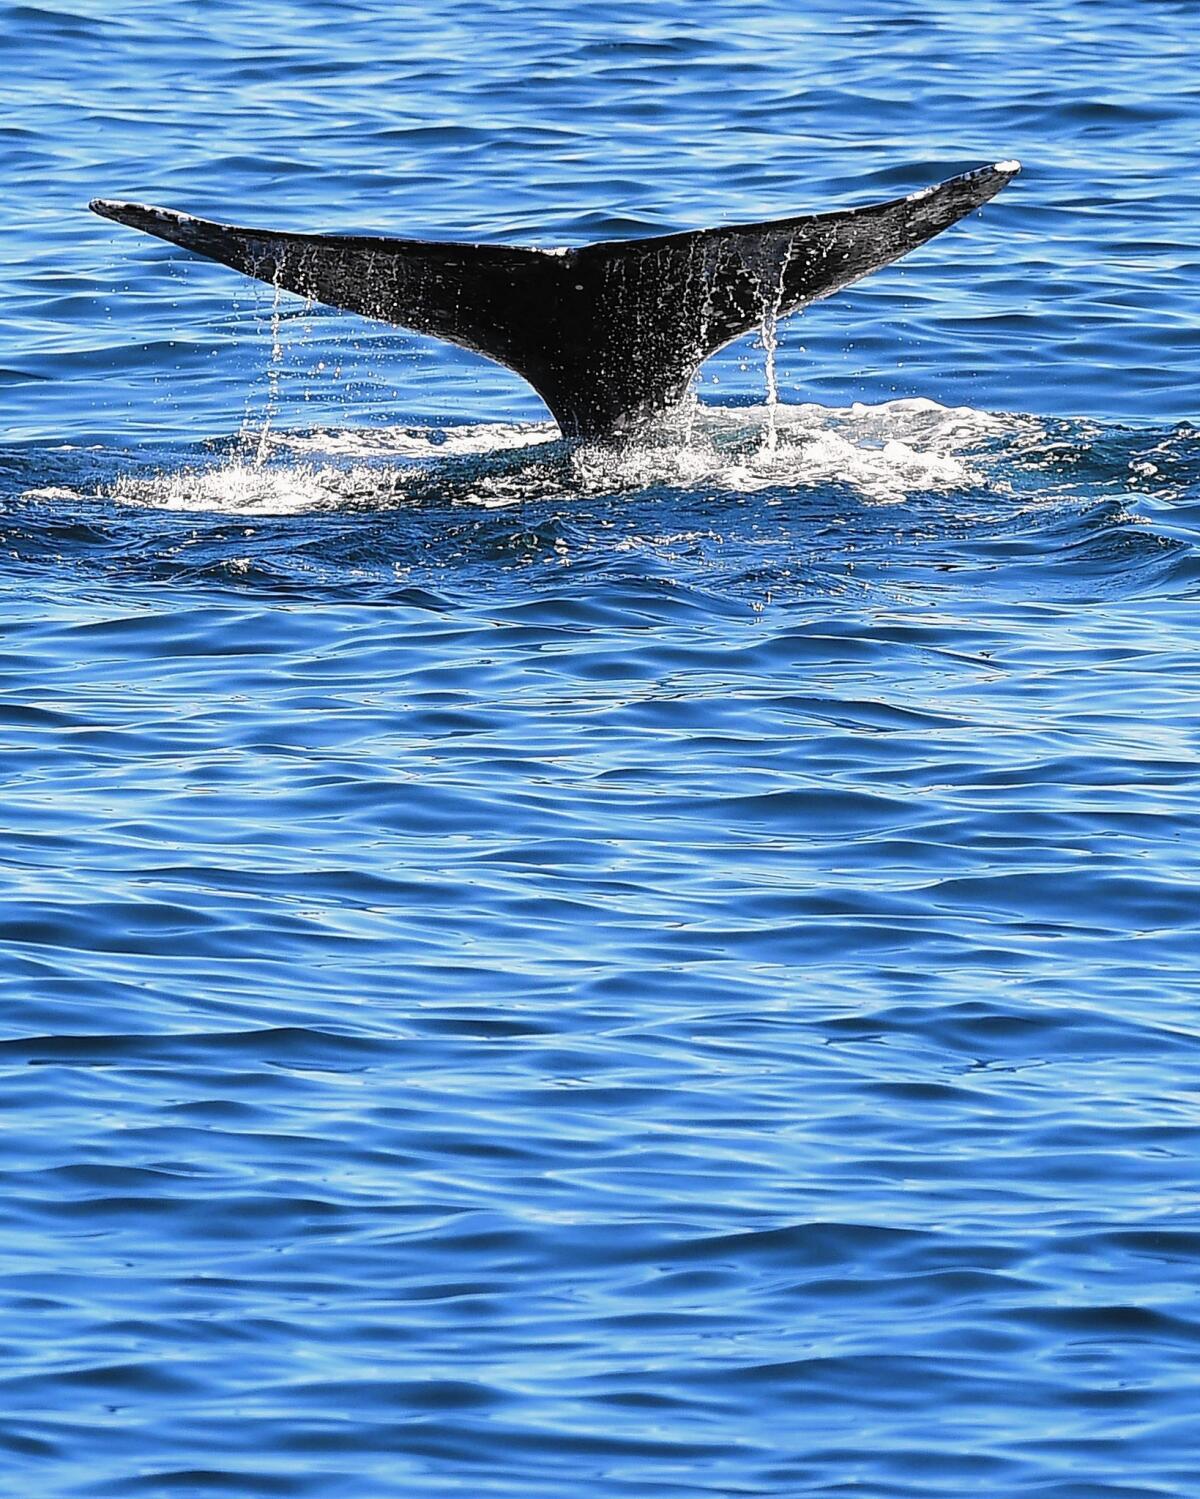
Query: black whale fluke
608, 335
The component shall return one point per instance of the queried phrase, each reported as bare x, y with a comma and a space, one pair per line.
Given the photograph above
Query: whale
610, 335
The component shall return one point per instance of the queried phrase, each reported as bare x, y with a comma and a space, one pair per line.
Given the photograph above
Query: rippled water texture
533, 970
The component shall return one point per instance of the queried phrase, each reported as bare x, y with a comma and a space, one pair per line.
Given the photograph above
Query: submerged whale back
610, 334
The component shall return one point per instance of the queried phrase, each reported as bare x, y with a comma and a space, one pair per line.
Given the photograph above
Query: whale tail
608, 335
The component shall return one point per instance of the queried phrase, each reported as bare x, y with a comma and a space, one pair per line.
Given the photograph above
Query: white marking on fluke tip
120, 205
1009, 168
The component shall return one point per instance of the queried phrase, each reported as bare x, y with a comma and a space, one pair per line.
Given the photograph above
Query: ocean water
531, 970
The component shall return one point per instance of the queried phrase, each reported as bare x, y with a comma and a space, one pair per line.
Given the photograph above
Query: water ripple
534, 967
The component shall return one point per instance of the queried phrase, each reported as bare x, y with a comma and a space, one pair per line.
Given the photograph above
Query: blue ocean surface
532, 969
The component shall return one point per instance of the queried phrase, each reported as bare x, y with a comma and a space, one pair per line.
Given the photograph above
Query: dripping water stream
274, 376
771, 307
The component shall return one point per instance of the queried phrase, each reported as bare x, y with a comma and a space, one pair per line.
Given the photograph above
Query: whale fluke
610, 334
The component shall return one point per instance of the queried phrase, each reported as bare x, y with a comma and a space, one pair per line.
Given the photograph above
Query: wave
744, 502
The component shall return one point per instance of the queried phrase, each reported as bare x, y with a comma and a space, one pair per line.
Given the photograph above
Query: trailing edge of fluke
608, 335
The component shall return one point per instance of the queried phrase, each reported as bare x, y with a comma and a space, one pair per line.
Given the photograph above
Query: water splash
882, 454
274, 374
770, 279
257, 487
772, 305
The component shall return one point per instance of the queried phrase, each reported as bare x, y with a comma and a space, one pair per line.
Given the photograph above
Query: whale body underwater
609, 335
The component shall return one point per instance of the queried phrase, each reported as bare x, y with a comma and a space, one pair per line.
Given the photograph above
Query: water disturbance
772, 302
274, 362
538, 967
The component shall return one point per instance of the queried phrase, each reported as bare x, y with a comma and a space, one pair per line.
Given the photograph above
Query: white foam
247, 488
883, 453
51, 492
418, 442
